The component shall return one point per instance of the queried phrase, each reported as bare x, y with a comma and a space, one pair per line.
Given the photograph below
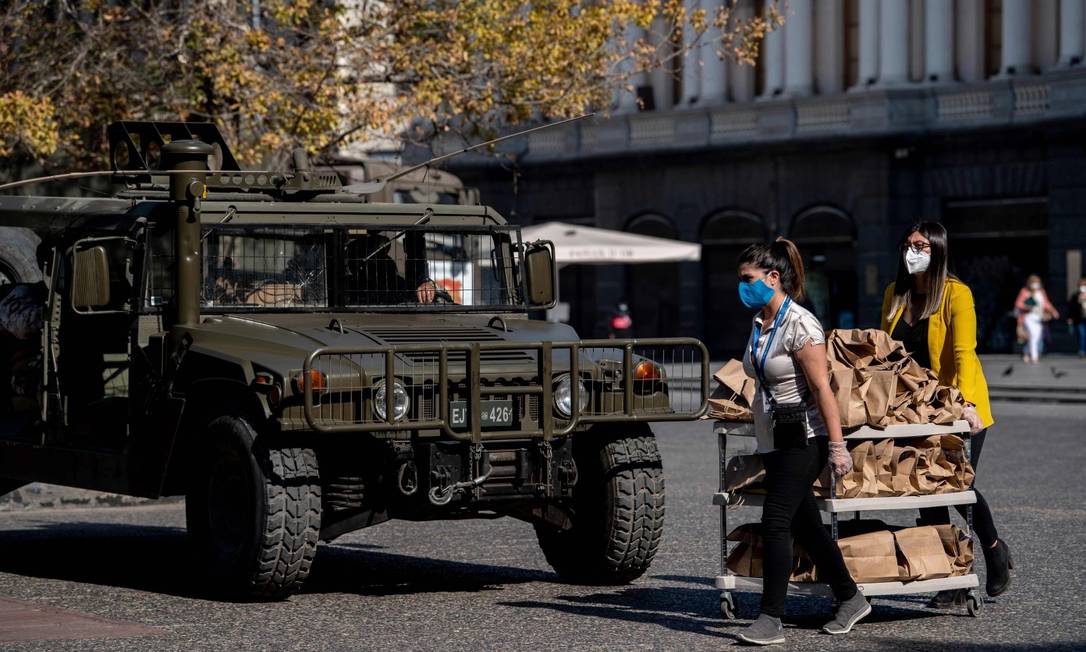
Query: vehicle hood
281, 342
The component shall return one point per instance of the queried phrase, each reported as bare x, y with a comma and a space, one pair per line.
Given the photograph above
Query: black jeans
790, 511
983, 524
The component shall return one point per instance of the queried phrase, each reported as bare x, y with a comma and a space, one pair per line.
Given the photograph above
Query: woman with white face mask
931, 312
1034, 309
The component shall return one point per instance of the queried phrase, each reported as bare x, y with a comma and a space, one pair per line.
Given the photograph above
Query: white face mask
1082, 289
1035, 286
916, 262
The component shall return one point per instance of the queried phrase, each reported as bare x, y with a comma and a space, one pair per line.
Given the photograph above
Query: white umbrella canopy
578, 244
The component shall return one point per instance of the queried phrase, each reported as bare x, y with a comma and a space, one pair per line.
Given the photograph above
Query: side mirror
541, 275
90, 279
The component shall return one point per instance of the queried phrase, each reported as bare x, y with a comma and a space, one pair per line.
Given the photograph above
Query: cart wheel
727, 606
973, 604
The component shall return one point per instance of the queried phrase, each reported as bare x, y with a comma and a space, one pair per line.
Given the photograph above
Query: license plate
492, 413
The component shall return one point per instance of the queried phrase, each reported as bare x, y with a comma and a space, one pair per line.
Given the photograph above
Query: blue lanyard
756, 333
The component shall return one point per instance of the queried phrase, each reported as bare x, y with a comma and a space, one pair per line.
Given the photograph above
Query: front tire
617, 511
253, 511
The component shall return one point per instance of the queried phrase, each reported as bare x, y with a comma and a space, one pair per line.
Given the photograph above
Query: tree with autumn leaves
276, 74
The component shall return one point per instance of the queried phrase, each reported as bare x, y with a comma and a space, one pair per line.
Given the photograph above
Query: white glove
840, 458
970, 415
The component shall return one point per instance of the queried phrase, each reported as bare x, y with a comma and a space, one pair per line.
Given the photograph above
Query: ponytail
782, 256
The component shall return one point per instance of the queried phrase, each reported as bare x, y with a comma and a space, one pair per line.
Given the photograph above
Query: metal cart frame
730, 583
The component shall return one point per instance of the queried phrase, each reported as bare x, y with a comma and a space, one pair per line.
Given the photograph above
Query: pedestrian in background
932, 314
621, 325
1034, 309
798, 430
1076, 315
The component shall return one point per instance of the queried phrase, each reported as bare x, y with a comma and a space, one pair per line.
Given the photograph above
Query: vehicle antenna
443, 157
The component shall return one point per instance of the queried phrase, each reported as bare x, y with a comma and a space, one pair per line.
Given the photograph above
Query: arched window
652, 289
724, 235
826, 236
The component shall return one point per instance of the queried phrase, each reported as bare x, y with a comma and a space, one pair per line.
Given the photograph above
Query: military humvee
300, 363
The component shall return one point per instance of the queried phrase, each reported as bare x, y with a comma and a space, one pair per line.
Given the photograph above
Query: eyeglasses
918, 247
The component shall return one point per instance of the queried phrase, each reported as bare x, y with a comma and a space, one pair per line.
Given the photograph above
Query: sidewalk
1057, 378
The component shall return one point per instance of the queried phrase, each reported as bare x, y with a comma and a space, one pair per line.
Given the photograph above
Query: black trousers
983, 523
790, 511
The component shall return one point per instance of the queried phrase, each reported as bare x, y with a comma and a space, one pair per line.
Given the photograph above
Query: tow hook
441, 496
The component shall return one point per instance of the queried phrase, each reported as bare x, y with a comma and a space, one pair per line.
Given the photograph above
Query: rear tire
617, 511
18, 256
253, 512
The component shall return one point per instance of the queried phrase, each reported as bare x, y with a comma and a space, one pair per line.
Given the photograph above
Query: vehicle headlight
401, 402
563, 396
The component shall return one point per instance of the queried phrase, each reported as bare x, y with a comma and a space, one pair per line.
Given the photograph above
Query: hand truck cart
730, 583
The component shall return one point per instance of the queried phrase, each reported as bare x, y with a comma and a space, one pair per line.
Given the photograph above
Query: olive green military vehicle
299, 363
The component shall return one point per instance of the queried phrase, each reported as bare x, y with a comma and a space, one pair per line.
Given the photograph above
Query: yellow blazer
952, 343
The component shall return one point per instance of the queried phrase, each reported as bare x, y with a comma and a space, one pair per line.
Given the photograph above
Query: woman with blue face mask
932, 314
798, 430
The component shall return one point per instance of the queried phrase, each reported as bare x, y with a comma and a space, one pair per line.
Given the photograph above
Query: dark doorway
577, 287
652, 290
826, 238
994, 244
723, 238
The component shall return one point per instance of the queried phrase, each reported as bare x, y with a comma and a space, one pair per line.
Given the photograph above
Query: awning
575, 244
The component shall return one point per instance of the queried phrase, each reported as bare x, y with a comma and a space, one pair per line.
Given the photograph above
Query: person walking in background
932, 314
1076, 315
621, 325
798, 430
1034, 309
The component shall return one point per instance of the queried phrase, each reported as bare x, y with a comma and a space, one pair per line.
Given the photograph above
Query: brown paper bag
958, 549
732, 376
954, 451
921, 554
884, 461
743, 471
904, 460
846, 388
746, 558
881, 387
870, 557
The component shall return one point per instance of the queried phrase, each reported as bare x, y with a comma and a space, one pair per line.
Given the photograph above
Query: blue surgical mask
755, 294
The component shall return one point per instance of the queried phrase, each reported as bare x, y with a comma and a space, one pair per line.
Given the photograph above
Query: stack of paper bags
875, 381
875, 552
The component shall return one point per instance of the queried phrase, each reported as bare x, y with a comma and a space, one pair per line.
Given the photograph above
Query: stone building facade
861, 117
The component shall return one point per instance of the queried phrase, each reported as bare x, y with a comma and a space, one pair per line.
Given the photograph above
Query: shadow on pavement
156, 559
697, 610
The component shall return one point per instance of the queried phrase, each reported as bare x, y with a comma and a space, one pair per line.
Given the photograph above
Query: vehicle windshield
414, 268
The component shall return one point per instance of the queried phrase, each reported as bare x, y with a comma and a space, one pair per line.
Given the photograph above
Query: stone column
969, 40
740, 77
773, 63
939, 40
1016, 39
663, 78
869, 44
693, 60
627, 99
893, 42
1071, 32
798, 53
829, 43
714, 70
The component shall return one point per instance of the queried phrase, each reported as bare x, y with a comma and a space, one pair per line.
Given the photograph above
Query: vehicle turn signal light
646, 370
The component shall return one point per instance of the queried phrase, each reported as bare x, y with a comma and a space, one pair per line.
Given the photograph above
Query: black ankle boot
997, 562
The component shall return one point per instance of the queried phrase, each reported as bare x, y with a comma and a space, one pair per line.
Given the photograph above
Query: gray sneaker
848, 614
767, 630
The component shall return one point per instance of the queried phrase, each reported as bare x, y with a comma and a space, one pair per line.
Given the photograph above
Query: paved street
485, 585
